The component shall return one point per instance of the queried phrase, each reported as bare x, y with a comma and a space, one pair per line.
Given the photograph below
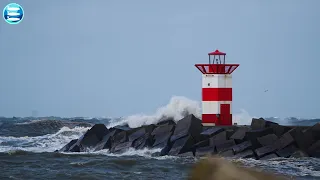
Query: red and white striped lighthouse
217, 90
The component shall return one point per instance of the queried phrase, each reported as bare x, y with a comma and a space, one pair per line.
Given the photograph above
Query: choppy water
27, 152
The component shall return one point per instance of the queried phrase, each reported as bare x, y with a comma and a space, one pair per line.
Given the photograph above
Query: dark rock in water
210, 132
227, 153
287, 151
270, 156
105, 143
299, 154
167, 122
278, 129
284, 141
260, 123
204, 151
189, 125
162, 135
120, 137
265, 150
218, 138
187, 154
141, 131
316, 131
67, 146
161, 140
144, 141
314, 149
203, 143
230, 132
240, 134
224, 145
165, 150
91, 138
182, 145
122, 147
302, 137
252, 135
122, 128
245, 154
267, 139
163, 129
242, 147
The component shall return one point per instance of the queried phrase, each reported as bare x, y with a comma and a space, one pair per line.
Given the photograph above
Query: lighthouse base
217, 119
208, 124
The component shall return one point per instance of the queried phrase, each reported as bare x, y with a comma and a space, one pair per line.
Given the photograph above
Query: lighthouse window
208, 84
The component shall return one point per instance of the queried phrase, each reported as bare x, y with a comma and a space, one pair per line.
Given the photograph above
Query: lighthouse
217, 90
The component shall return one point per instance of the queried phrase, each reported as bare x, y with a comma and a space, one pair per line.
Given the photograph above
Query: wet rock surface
261, 140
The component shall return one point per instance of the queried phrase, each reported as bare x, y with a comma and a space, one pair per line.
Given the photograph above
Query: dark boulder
302, 136
141, 131
267, 139
218, 138
187, 154
182, 145
316, 131
246, 154
260, 123
314, 149
161, 136
284, 141
189, 125
224, 145
105, 143
204, 151
121, 148
144, 141
299, 154
265, 150
209, 132
203, 143
120, 137
166, 122
287, 151
270, 156
242, 147
252, 135
227, 153
163, 129
91, 138
240, 134
278, 129
67, 146
161, 140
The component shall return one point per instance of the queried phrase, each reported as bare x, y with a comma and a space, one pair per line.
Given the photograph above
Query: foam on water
288, 166
46, 143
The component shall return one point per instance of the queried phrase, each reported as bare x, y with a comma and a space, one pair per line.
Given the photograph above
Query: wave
45, 143
49, 135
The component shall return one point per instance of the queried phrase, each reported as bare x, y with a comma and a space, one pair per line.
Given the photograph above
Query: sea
27, 146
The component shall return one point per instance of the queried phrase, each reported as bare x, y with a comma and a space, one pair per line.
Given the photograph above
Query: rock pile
261, 140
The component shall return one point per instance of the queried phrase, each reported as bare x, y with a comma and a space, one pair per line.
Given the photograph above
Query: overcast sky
117, 58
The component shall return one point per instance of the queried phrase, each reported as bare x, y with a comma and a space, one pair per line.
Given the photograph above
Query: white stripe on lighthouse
216, 81
213, 107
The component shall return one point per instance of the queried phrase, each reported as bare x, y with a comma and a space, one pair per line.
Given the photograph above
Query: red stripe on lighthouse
216, 94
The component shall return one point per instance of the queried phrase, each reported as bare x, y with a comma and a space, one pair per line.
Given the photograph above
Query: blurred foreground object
214, 168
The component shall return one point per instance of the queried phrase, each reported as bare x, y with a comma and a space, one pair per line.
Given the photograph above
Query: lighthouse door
225, 116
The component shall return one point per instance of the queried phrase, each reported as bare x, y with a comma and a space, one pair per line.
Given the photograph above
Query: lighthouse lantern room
217, 90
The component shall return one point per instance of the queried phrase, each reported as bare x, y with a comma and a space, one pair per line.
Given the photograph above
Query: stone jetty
260, 140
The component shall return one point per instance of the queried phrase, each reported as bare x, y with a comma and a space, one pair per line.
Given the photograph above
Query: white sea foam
177, 108
45, 143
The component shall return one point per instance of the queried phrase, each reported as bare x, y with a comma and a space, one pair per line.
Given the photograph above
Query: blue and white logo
13, 13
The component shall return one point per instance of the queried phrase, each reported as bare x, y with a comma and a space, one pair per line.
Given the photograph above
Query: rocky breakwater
261, 140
